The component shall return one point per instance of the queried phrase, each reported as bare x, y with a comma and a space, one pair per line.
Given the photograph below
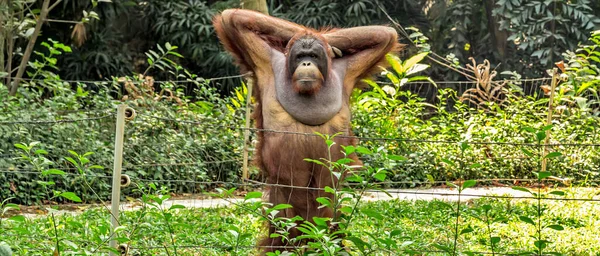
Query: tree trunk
3, 31
256, 5
30, 45
498, 38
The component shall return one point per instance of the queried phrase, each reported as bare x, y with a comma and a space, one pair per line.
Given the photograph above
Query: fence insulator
125, 180
129, 114
123, 249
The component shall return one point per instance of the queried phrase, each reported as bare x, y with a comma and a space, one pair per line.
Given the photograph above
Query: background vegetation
514, 35
57, 133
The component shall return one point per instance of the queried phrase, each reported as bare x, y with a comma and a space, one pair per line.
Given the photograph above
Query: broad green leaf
540, 136
380, 176
360, 244
495, 239
71, 160
543, 175
41, 151
321, 222
584, 86
349, 149
448, 161
444, 204
21, 146
314, 161
17, 218
363, 150
71, 196
395, 62
416, 69
466, 230
282, 206
346, 209
553, 155
527, 220
546, 128
393, 78
324, 201
45, 183
556, 227
396, 232
442, 247
468, 184
252, 195
418, 78
475, 165
344, 161
464, 145
450, 184
527, 152
176, 206
330, 190
372, 213
430, 178
176, 54
521, 189
397, 158
412, 61
53, 172
529, 129
540, 244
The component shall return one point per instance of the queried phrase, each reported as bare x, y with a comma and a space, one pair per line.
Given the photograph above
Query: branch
54, 5
30, 45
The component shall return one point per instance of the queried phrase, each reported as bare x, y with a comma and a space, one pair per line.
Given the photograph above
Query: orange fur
284, 153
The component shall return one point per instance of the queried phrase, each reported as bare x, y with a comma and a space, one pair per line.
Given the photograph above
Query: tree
257, 5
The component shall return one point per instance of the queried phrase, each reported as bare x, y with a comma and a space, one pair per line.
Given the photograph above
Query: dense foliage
516, 35
174, 138
57, 136
62, 117
387, 227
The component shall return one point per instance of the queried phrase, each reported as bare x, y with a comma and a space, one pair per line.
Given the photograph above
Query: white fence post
116, 182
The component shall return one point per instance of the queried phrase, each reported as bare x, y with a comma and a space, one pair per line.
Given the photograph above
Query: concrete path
445, 194
402, 194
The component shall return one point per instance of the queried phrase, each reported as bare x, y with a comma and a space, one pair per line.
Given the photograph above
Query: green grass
421, 226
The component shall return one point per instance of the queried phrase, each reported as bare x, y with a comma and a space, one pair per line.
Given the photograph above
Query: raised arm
364, 47
249, 35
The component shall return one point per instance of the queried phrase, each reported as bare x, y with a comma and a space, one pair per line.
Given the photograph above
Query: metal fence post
549, 117
116, 182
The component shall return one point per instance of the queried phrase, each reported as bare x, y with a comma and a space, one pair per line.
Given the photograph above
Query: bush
62, 117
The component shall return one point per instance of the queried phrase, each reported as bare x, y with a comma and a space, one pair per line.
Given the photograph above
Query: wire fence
196, 157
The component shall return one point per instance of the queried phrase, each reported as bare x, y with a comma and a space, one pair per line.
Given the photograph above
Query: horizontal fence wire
524, 80
199, 80
51, 122
31, 170
207, 187
395, 252
375, 138
415, 191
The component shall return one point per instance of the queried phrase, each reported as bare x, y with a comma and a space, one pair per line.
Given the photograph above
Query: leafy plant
546, 28
488, 215
540, 243
42, 164
582, 73
161, 61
